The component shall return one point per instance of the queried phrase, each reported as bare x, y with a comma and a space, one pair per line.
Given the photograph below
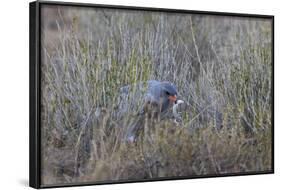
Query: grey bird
161, 94
137, 97
145, 99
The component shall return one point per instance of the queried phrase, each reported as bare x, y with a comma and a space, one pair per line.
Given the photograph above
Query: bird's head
169, 91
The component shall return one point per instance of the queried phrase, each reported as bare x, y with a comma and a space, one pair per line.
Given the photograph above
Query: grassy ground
220, 65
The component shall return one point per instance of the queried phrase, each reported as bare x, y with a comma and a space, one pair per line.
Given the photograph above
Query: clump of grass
221, 66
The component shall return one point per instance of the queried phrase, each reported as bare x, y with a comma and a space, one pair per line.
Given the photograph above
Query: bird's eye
168, 93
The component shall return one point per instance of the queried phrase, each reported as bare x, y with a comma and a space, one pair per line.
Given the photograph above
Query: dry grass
220, 65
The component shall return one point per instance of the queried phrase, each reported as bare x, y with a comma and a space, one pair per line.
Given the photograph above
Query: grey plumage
135, 98
151, 99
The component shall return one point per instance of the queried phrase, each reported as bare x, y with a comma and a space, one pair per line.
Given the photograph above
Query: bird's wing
131, 99
149, 104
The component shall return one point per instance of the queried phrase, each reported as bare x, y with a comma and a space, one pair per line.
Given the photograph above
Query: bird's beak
172, 98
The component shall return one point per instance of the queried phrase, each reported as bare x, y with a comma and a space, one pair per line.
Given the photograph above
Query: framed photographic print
132, 94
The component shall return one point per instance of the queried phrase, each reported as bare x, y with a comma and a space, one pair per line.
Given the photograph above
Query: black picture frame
35, 86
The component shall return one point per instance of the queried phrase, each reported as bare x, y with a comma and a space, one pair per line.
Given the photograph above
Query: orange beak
172, 98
